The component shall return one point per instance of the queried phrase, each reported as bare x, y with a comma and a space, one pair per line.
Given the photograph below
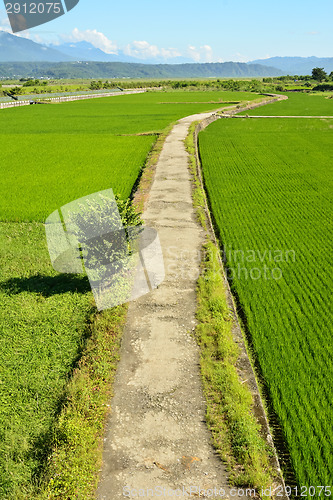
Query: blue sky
211, 30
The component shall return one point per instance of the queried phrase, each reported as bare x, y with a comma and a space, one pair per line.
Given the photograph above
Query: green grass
124, 114
57, 362
43, 329
269, 184
54, 154
207, 96
44, 172
236, 432
298, 104
72, 469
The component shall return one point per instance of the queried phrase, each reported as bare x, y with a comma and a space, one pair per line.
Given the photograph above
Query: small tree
15, 90
319, 74
96, 85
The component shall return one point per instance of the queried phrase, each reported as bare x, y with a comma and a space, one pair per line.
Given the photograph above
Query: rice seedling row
269, 185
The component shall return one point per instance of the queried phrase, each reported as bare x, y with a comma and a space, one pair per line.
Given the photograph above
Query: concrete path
156, 436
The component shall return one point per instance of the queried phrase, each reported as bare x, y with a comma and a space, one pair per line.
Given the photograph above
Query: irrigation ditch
15, 104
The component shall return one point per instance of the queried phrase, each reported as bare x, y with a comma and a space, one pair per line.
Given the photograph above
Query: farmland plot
269, 184
298, 104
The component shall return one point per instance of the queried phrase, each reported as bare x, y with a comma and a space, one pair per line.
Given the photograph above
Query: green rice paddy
269, 183
298, 104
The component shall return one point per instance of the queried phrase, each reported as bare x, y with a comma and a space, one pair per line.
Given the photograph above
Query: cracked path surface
156, 435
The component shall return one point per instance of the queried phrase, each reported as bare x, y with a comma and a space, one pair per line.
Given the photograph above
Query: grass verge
236, 433
198, 195
73, 466
141, 194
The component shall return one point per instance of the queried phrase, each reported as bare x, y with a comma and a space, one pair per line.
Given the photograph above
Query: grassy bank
236, 433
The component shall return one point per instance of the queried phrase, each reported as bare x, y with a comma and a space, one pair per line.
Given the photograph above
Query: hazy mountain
90, 62
297, 65
15, 48
85, 51
18, 49
107, 70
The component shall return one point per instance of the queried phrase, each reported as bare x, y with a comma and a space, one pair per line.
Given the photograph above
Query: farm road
156, 435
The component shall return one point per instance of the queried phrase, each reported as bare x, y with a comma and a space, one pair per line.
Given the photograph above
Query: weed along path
157, 437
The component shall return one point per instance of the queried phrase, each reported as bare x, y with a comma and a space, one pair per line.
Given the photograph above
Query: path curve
156, 436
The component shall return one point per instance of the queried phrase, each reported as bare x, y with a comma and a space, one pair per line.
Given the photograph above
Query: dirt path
156, 436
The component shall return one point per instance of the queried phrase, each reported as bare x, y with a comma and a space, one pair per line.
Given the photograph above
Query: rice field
46, 172
298, 104
74, 149
50, 95
269, 183
44, 320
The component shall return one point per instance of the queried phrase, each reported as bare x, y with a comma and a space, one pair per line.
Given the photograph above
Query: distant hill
89, 61
20, 57
134, 70
15, 48
297, 65
85, 51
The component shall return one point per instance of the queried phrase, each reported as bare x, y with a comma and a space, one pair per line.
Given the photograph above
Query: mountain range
16, 49
85, 51
297, 65
107, 70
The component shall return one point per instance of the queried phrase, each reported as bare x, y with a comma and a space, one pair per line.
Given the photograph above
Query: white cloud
169, 53
96, 38
144, 50
207, 52
141, 50
201, 54
31, 36
5, 26
313, 33
4, 22
241, 58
